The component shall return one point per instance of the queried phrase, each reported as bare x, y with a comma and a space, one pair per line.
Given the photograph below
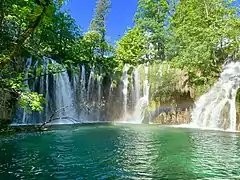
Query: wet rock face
176, 110
173, 100
174, 117
6, 107
238, 119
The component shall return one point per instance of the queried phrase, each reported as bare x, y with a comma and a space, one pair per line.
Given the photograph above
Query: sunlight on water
122, 151
128, 122
192, 126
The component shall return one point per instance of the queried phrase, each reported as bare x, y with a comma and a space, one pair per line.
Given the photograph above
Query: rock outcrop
174, 117
172, 100
6, 107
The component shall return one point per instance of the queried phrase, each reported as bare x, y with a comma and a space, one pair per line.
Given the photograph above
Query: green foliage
152, 16
172, 86
31, 101
131, 49
204, 33
193, 35
18, 17
32, 28
55, 37
98, 27
88, 51
98, 21
90, 44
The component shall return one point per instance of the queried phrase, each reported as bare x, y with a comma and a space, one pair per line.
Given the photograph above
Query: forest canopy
193, 35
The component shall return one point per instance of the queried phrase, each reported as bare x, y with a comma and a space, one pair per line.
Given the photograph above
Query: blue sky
119, 19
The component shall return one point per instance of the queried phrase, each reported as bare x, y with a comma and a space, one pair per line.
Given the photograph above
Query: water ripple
121, 152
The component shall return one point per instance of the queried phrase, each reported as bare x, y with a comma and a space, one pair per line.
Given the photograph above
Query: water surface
121, 152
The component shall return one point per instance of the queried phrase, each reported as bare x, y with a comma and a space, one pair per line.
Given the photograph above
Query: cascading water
110, 90
133, 96
142, 102
99, 85
62, 107
76, 77
91, 84
28, 65
110, 96
83, 84
99, 97
216, 109
125, 89
81, 93
45, 64
75, 97
89, 99
137, 86
64, 96
59, 95
146, 86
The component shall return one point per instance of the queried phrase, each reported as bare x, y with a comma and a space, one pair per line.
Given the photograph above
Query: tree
204, 32
18, 22
55, 37
152, 16
85, 51
28, 24
98, 22
88, 46
131, 48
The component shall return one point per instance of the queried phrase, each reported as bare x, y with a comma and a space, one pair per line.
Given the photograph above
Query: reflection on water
216, 155
121, 152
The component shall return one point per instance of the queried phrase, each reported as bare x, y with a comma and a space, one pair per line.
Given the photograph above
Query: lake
120, 152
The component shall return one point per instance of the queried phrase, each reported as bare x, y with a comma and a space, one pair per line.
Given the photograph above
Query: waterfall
62, 104
59, 94
216, 109
125, 89
137, 86
91, 83
75, 96
133, 98
27, 66
110, 90
142, 102
83, 84
75, 83
146, 86
110, 96
46, 62
99, 85
64, 97
99, 97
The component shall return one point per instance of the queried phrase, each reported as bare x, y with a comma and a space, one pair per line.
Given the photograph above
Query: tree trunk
24, 37
1, 19
1, 14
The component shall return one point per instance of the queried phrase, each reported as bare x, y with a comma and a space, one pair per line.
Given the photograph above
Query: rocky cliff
6, 107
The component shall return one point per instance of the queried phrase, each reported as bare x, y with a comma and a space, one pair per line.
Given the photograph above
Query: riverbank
17, 128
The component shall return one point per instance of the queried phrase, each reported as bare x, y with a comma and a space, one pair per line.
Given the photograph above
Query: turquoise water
121, 152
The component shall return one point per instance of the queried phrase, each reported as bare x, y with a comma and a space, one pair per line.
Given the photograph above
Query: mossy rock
4, 123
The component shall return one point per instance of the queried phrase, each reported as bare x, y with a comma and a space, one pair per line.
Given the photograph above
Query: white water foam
216, 109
